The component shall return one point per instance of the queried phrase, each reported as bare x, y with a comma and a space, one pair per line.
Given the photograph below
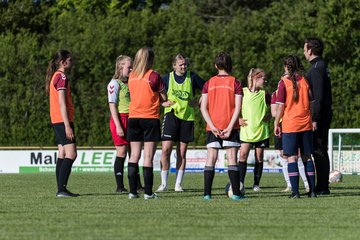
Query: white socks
285, 172
164, 177
179, 177
302, 172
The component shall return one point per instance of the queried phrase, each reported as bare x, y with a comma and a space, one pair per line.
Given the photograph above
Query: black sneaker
294, 195
323, 192
312, 195
122, 190
66, 193
74, 194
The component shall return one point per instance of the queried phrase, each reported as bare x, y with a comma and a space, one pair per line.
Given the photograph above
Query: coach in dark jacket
319, 79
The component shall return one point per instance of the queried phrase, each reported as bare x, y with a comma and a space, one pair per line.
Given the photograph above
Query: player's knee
72, 155
167, 152
243, 157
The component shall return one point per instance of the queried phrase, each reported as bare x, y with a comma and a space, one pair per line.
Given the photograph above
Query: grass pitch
30, 210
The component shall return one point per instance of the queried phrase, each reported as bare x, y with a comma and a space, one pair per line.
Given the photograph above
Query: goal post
344, 150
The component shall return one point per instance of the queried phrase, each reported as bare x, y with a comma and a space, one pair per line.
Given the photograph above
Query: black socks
209, 173
258, 172
58, 167
133, 169
242, 171
119, 171
148, 179
64, 173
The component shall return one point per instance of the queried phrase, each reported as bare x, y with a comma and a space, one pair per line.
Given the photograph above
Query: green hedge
97, 31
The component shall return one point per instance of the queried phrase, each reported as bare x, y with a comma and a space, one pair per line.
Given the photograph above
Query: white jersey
113, 91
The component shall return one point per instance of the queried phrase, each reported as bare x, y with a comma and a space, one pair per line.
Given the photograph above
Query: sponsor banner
88, 161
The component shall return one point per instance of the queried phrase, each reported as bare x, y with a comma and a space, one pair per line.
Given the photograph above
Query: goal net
344, 150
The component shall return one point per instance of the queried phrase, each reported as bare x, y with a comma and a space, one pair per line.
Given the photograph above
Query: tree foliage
256, 35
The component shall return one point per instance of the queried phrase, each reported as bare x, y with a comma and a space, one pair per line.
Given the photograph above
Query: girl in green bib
254, 131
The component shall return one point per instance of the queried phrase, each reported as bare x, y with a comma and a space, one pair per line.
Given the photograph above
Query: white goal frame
331, 138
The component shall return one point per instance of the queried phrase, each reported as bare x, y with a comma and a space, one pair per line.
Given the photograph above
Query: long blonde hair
254, 74
120, 62
144, 60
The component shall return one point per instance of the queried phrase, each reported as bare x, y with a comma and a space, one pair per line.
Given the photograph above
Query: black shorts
278, 143
176, 129
260, 144
143, 130
60, 135
216, 142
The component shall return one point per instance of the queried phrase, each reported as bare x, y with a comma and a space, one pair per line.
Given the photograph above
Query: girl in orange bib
293, 100
62, 118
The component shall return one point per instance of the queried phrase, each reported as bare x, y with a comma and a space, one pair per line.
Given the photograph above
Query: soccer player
146, 92
119, 99
319, 79
178, 124
278, 146
294, 97
62, 118
254, 131
220, 107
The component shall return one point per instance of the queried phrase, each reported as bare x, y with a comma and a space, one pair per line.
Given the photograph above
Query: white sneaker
132, 196
287, 189
152, 196
256, 188
178, 188
162, 188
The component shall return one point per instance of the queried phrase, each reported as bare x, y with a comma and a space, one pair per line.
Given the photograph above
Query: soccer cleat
66, 193
178, 188
236, 198
256, 188
74, 194
133, 196
287, 189
152, 196
312, 195
323, 192
207, 197
294, 195
162, 188
121, 190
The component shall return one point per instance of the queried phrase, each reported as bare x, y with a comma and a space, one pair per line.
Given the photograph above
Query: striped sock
233, 172
294, 176
310, 174
209, 173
